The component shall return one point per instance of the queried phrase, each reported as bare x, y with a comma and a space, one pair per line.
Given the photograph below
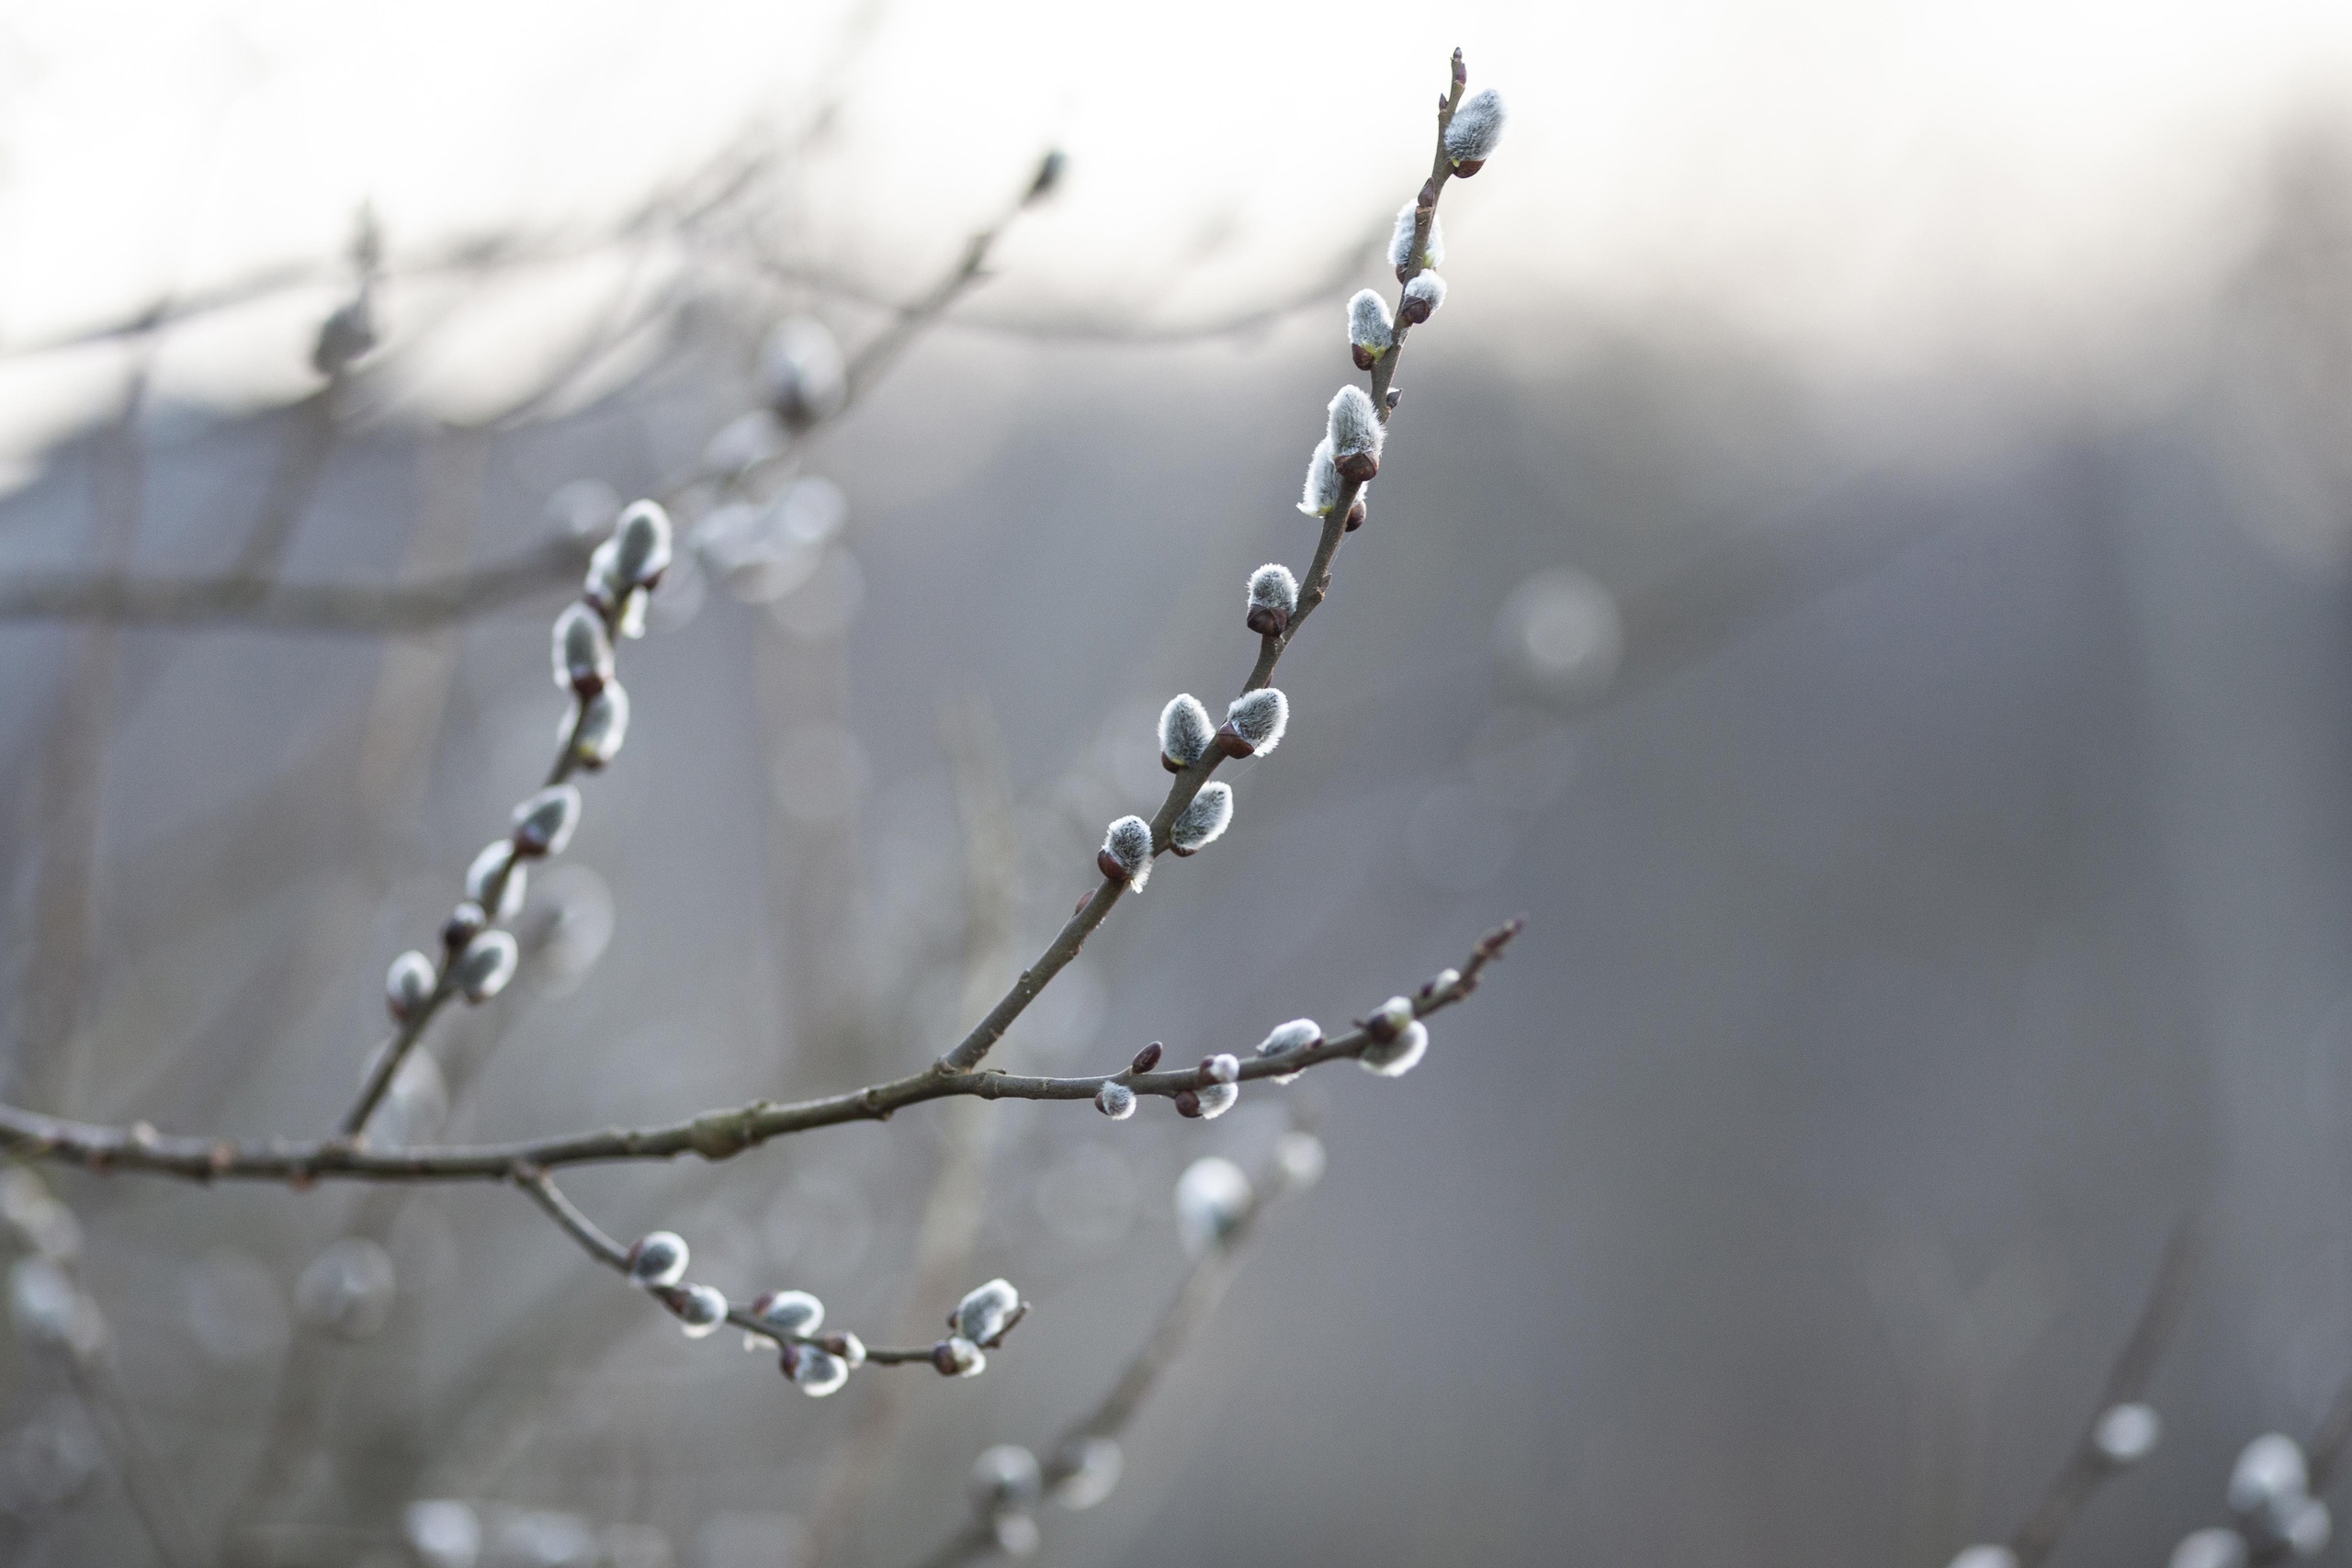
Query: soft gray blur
1933, 816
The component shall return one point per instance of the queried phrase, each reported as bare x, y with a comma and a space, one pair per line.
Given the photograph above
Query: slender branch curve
714, 1135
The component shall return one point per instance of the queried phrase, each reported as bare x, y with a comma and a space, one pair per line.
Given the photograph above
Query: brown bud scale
1359, 466
1229, 741
1187, 1103
1147, 1058
1108, 864
1355, 518
1268, 620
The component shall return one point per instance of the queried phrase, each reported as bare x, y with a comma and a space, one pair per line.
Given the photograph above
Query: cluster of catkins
818, 1363
478, 958
1342, 465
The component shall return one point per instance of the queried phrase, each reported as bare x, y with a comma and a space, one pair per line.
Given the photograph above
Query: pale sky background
1873, 188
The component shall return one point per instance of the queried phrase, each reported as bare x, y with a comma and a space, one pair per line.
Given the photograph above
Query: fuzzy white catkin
1476, 126
981, 1315
1223, 1068
1395, 1058
603, 726
2210, 1548
1259, 717
642, 545
1368, 323
603, 585
1400, 244
1184, 729
1116, 1100
407, 983
803, 371
2269, 1470
584, 654
1006, 1478
789, 1311
965, 1358
482, 970
1298, 1035
1301, 1157
818, 1371
1985, 1557
495, 862
1273, 587
1322, 490
700, 1311
1354, 424
2126, 1433
1427, 291
1217, 1099
544, 823
1127, 845
2307, 1528
1202, 820
1213, 1197
658, 1259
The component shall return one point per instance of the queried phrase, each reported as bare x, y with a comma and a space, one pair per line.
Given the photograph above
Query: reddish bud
1360, 466
1365, 359
1268, 620
1355, 516
1461, 71
465, 923
1146, 1058
1187, 1103
1413, 313
1467, 167
1108, 864
1229, 741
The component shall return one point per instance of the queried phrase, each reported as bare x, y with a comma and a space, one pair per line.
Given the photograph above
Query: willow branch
715, 1135
541, 1188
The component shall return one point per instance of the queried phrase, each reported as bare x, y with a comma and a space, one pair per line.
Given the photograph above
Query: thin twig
715, 1135
542, 1190
2127, 1384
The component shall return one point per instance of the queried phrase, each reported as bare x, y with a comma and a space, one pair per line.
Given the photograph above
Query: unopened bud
1356, 512
2126, 1433
1388, 1019
795, 1313
544, 823
956, 1357
658, 1260
1254, 723
987, 1312
407, 984
1321, 493
1213, 1197
1116, 1100
1006, 1479
1298, 1035
1422, 297
1461, 71
804, 375
584, 653
1126, 854
482, 970
1273, 600
2268, 1468
2210, 1548
1395, 1058
1300, 1157
1370, 334
641, 543
1204, 818
495, 869
1473, 132
817, 1372
464, 922
700, 1310
1185, 732
1146, 1058
1355, 434
601, 727
1444, 980
1223, 1068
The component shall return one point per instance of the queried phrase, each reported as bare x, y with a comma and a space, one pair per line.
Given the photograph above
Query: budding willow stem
715, 1135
